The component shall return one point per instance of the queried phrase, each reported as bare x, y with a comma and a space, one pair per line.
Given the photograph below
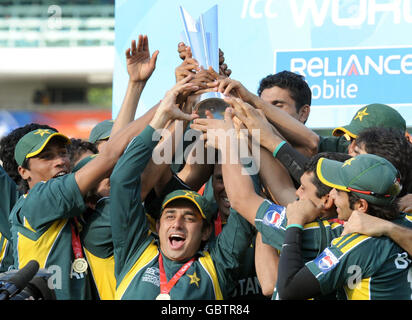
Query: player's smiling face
52, 162
180, 230
341, 200
307, 189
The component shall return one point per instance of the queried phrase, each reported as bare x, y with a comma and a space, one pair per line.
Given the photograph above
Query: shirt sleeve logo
326, 261
274, 216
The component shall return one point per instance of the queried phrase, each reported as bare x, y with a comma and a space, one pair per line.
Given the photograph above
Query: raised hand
230, 87
215, 131
302, 212
168, 108
223, 69
140, 65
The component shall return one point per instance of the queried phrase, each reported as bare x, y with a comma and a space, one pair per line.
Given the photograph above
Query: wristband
278, 148
295, 225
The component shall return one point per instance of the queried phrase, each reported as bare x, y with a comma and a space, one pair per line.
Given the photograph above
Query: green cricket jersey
137, 251
368, 268
41, 229
96, 238
317, 236
271, 222
10, 195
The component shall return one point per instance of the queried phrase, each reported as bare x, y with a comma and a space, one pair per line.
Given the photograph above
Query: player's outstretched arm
140, 66
244, 200
375, 227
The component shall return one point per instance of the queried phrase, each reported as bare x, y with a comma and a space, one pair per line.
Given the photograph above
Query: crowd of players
141, 212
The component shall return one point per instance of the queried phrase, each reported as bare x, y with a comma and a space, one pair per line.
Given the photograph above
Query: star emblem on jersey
194, 279
41, 132
348, 162
361, 114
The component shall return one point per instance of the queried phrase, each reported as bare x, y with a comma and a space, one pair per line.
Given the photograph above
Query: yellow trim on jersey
361, 291
3, 247
326, 223
103, 274
342, 240
324, 181
353, 243
311, 225
207, 263
148, 255
28, 249
408, 216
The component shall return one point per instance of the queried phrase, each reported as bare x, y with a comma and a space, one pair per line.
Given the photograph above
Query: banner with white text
351, 52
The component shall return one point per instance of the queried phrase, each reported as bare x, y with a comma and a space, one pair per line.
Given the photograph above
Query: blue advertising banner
351, 52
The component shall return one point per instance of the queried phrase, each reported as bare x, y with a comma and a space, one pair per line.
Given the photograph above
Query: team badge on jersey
274, 216
326, 261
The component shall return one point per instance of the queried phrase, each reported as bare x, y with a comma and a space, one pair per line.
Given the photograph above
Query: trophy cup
202, 37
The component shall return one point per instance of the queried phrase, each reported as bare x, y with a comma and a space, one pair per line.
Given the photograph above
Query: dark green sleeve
229, 249
129, 225
271, 222
96, 234
333, 144
58, 198
231, 245
9, 195
333, 267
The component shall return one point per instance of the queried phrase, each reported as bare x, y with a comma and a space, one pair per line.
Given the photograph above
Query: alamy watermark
230, 146
54, 20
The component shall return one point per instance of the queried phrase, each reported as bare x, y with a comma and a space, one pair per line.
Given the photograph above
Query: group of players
323, 217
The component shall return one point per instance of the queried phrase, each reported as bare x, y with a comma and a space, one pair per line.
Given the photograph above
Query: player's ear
24, 172
361, 205
304, 113
157, 226
327, 202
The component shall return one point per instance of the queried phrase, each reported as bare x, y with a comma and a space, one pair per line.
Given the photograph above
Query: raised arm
375, 227
266, 265
140, 66
273, 174
294, 131
244, 200
102, 165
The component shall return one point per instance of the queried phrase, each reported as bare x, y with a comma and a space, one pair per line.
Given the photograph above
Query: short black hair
295, 83
77, 147
7, 146
310, 166
389, 212
391, 144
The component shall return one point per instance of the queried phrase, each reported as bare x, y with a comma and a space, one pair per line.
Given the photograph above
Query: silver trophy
202, 37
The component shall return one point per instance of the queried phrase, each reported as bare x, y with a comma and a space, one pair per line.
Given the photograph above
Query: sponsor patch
274, 216
326, 261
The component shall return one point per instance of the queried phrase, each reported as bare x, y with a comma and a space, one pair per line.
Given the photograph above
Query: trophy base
216, 105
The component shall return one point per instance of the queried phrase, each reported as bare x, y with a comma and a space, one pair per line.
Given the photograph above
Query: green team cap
101, 131
32, 143
200, 201
371, 116
83, 162
371, 177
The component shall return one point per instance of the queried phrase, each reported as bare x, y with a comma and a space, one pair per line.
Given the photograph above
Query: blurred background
56, 64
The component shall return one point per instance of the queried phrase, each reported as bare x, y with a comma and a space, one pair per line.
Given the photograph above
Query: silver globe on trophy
202, 37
